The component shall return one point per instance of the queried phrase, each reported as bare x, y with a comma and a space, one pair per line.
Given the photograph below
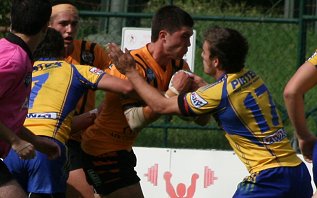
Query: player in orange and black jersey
107, 143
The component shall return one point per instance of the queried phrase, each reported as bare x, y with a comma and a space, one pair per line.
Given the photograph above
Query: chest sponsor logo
42, 116
196, 100
96, 71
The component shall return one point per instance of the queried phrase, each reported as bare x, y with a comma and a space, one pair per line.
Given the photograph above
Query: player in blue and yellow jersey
242, 105
56, 88
302, 81
65, 19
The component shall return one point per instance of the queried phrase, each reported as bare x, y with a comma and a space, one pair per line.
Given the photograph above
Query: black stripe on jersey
177, 67
145, 69
183, 105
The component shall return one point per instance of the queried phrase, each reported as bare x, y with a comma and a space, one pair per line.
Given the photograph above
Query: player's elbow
290, 93
128, 88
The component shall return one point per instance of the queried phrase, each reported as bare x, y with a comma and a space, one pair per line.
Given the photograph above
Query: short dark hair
170, 18
51, 47
229, 46
57, 2
30, 16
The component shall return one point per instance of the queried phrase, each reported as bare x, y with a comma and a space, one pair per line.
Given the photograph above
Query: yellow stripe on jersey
243, 107
56, 88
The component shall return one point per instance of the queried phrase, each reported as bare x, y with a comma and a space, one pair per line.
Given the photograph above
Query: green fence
278, 46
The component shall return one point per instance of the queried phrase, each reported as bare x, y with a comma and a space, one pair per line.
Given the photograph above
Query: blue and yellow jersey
243, 107
56, 88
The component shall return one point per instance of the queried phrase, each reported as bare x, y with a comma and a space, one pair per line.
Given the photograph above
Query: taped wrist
169, 93
93, 113
170, 85
135, 118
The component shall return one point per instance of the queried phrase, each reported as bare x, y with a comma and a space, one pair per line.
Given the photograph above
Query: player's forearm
114, 84
296, 113
7, 135
27, 135
83, 120
157, 102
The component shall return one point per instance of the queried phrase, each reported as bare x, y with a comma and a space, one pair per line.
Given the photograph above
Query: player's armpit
202, 120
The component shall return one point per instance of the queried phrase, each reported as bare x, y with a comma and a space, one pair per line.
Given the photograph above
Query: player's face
176, 44
209, 67
67, 24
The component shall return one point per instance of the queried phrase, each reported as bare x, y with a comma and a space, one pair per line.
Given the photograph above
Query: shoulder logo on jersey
150, 76
96, 71
196, 100
87, 57
28, 79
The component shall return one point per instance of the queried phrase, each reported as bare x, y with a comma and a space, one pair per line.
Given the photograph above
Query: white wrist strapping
170, 85
93, 112
135, 118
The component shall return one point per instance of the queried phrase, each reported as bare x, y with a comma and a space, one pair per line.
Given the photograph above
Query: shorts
278, 182
6, 176
74, 154
40, 175
110, 171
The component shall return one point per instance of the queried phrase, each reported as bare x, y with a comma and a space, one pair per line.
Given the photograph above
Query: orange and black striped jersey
87, 53
110, 131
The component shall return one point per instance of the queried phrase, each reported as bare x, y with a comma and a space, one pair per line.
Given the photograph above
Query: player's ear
162, 34
216, 61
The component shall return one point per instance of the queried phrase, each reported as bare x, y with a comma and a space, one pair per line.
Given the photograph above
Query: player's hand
197, 82
48, 147
181, 82
124, 62
24, 149
306, 146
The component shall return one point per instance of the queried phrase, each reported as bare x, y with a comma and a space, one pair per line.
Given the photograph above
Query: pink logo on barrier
181, 188
209, 177
152, 174
181, 191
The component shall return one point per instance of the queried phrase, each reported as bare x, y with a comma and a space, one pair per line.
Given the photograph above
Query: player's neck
158, 55
69, 50
31, 41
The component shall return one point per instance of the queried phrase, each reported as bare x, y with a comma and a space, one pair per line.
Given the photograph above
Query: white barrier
193, 173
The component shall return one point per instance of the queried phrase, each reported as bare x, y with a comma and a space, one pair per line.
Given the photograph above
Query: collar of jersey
47, 59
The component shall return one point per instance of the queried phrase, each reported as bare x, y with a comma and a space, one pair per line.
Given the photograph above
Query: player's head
170, 18
51, 47
29, 17
227, 46
172, 28
65, 19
